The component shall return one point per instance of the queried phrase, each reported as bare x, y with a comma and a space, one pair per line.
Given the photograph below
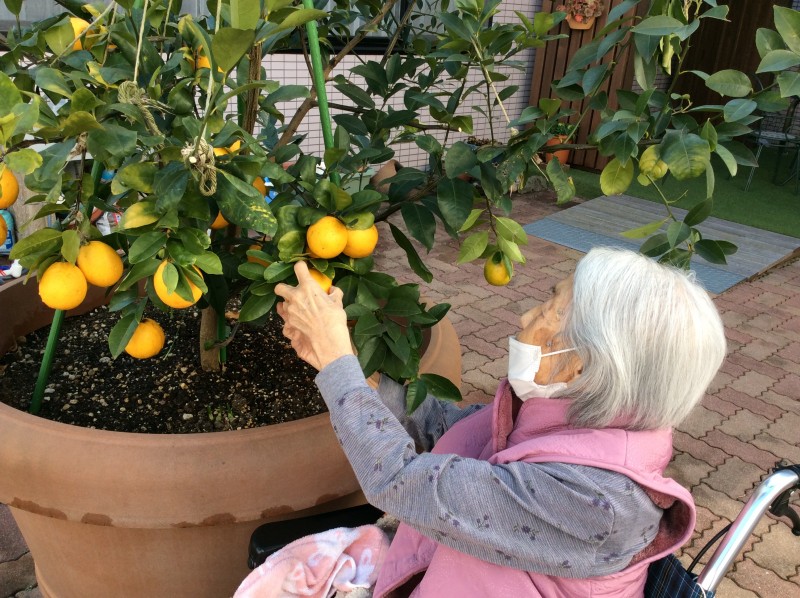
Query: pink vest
542, 434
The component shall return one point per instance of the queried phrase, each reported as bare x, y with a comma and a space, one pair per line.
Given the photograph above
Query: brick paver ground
749, 419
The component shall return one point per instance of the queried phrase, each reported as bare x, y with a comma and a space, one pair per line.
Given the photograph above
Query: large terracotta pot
563, 154
112, 514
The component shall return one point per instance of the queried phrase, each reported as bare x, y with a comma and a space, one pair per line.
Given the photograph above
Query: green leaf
138, 272
23, 161
416, 393
208, 262
738, 109
229, 45
140, 214
644, 231
79, 122
789, 84
768, 40
256, 306
686, 154
677, 233
510, 230
70, 245
299, 17
52, 80
778, 60
787, 22
112, 144
730, 82
169, 185
549, 106
245, 14
454, 198
46, 240
655, 245
420, 223
138, 176
728, 159
565, 188
471, 219
440, 387
371, 355
419, 268
9, 95
59, 37
459, 159
657, 26
698, 213
473, 247
616, 177
14, 6
121, 334
242, 204
146, 246
711, 251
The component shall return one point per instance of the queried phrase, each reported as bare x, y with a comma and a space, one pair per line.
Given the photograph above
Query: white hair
650, 338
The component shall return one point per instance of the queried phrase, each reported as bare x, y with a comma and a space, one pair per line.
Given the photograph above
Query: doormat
600, 221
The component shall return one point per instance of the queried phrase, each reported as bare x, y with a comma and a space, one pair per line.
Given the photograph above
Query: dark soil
263, 381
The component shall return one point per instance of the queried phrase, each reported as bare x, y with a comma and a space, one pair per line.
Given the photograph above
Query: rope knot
199, 158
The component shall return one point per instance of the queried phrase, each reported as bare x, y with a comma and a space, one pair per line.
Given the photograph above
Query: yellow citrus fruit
361, 243
256, 260
219, 222
100, 264
173, 299
321, 279
260, 186
78, 27
327, 237
62, 286
234, 147
147, 340
494, 271
3, 230
9, 188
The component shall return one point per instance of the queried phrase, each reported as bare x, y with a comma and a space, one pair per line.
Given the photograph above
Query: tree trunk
209, 358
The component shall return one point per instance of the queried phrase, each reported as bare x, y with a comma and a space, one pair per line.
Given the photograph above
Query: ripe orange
361, 243
62, 286
147, 340
173, 299
219, 222
494, 271
256, 260
100, 264
260, 186
234, 147
321, 279
9, 188
327, 237
3, 230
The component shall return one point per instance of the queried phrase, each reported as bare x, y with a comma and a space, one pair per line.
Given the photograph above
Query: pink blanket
339, 559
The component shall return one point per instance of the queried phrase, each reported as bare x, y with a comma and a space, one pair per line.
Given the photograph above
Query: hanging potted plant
581, 13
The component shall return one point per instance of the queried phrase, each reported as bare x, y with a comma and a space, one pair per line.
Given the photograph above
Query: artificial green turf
766, 205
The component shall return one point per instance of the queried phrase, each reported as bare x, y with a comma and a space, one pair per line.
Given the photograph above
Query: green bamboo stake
47, 362
319, 84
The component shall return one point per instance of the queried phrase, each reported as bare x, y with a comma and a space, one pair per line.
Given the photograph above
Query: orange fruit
321, 279
9, 188
219, 222
361, 243
62, 286
327, 237
173, 299
256, 260
494, 271
234, 147
147, 340
100, 264
3, 230
260, 186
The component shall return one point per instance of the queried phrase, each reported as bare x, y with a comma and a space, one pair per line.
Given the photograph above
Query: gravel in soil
263, 381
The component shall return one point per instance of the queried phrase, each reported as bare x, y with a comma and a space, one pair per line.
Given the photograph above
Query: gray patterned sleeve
552, 518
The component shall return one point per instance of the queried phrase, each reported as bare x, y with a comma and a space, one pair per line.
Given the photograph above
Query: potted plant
581, 13
143, 90
561, 132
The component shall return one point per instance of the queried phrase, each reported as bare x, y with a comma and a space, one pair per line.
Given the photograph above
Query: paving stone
791, 352
12, 545
752, 383
728, 589
715, 403
786, 428
791, 367
31, 593
687, 471
746, 401
735, 477
788, 386
744, 425
698, 449
472, 360
497, 368
784, 450
717, 502
720, 381
760, 349
490, 350
778, 551
755, 365
498, 332
746, 451
764, 582
17, 575
700, 421
481, 381
784, 403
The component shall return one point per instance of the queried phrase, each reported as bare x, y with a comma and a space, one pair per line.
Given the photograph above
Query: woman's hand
314, 321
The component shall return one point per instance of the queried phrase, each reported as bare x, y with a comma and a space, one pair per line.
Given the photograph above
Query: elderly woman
556, 488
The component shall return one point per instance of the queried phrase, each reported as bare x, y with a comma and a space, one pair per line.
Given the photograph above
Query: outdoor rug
600, 222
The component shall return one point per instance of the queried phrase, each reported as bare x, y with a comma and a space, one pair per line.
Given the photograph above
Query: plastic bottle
11, 236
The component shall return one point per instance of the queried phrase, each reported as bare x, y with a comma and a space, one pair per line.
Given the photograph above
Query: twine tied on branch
130, 93
199, 158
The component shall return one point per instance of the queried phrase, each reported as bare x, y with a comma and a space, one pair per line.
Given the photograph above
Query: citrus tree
127, 108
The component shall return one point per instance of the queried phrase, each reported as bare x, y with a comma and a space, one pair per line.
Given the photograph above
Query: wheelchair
667, 577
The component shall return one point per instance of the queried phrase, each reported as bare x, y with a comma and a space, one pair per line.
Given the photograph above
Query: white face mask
523, 364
